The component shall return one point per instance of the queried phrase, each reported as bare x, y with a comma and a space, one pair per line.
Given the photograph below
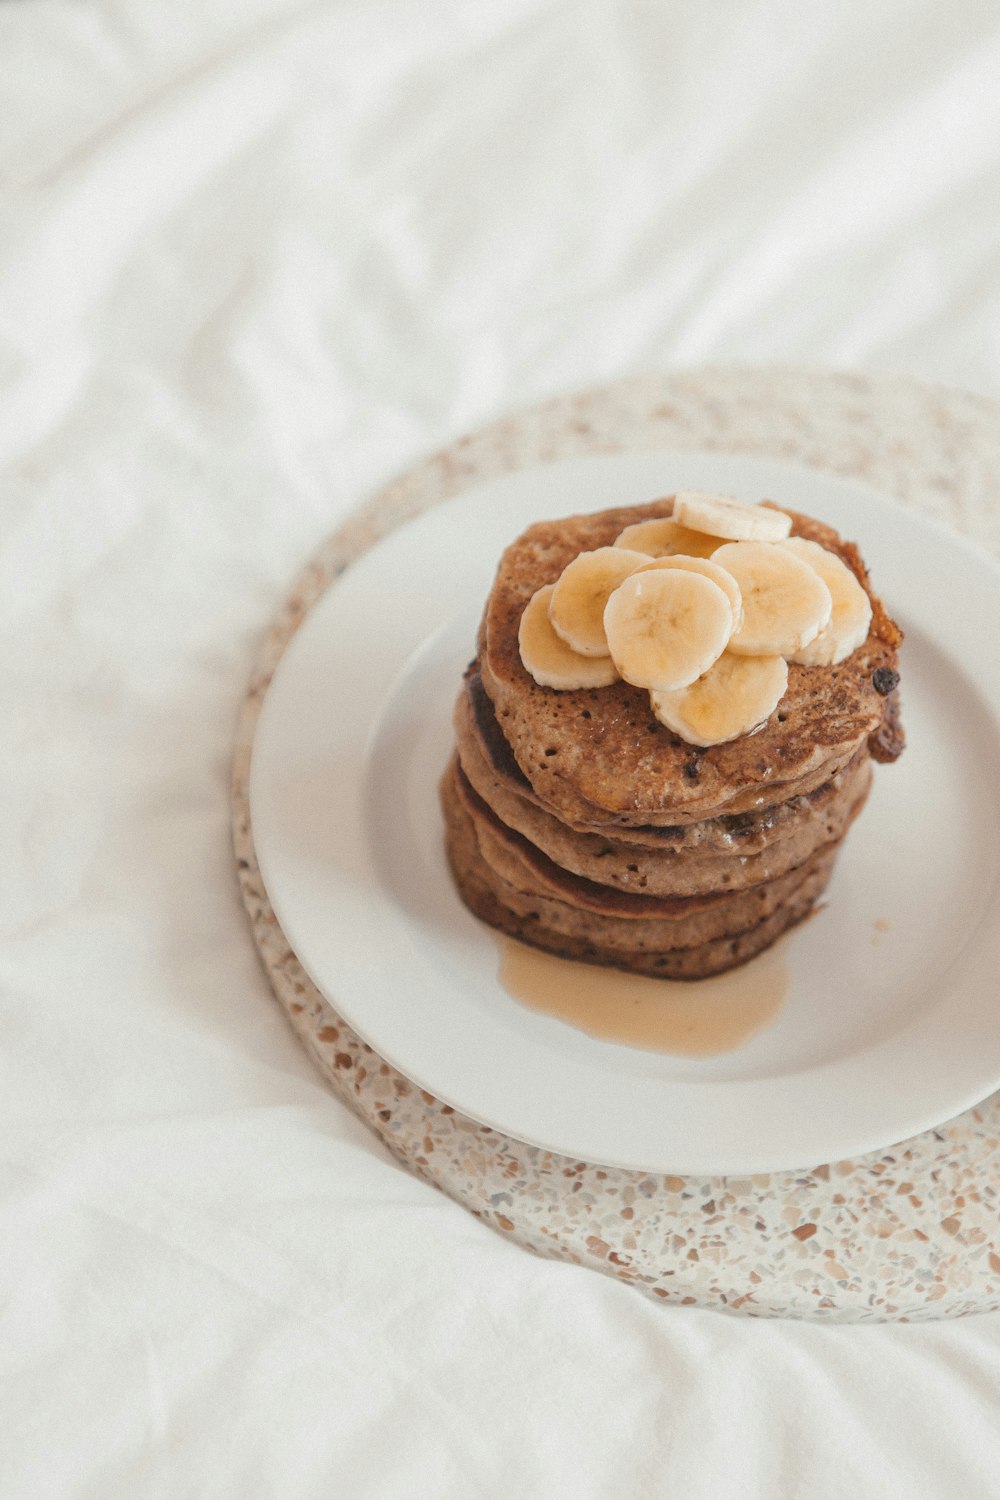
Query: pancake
719, 854
527, 881
575, 821
595, 940
599, 757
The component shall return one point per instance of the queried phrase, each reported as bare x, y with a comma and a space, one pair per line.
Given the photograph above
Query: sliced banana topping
579, 595
665, 538
704, 609
851, 617
785, 602
727, 583
735, 520
547, 657
736, 694
666, 627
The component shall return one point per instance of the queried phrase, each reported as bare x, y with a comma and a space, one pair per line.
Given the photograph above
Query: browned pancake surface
600, 755
720, 854
618, 919
572, 934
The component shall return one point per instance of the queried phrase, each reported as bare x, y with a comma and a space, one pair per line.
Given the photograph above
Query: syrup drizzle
688, 1018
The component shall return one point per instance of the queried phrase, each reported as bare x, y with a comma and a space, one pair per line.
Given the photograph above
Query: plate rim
916, 520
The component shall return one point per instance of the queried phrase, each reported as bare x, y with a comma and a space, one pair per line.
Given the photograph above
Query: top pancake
597, 756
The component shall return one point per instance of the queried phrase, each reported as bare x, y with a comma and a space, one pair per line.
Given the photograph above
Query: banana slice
727, 583
785, 602
576, 607
548, 658
666, 627
666, 537
852, 609
735, 520
736, 695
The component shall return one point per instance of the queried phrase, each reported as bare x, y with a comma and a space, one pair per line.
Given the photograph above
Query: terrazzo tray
910, 1233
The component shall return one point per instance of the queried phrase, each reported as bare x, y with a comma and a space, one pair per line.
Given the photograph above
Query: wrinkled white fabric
254, 259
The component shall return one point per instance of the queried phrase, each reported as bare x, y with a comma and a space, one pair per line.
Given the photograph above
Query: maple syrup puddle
688, 1018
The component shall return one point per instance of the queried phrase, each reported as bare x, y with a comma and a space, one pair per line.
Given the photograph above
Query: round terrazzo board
912, 1232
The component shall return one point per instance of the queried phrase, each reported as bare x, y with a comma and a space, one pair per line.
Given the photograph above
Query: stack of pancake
577, 822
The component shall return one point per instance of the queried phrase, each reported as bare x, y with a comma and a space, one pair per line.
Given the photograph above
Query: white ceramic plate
888, 1030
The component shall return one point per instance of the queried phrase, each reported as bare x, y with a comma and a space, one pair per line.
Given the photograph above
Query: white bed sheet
256, 258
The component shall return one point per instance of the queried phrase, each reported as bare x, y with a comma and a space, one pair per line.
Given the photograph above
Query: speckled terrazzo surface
913, 1232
